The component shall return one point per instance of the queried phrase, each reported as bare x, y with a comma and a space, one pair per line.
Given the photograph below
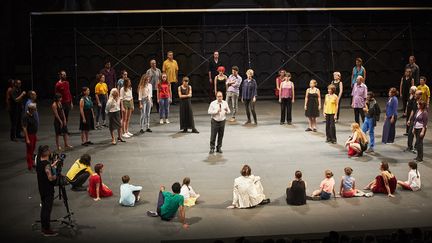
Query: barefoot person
60, 122
413, 183
186, 114
385, 182
218, 110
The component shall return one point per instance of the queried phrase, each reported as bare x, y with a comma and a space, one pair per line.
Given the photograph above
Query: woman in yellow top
79, 172
330, 110
101, 91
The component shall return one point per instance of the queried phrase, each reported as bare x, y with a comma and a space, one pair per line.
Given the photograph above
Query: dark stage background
307, 44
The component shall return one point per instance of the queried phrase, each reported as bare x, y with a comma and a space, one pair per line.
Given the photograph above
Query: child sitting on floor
129, 194
413, 183
347, 186
326, 187
190, 196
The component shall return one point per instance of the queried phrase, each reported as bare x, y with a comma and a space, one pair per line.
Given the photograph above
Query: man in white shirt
218, 110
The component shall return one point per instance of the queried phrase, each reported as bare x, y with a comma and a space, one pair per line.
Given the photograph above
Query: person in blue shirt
129, 194
389, 129
249, 93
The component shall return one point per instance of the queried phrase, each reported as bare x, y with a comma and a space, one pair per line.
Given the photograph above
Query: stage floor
160, 158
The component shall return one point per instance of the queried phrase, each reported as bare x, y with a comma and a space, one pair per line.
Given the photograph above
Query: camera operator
79, 172
46, 176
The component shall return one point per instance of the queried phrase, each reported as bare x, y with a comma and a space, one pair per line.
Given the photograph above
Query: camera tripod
66, 220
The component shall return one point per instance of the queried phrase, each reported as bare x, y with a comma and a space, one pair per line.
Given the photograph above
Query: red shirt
104, 191
62, 87
164, 90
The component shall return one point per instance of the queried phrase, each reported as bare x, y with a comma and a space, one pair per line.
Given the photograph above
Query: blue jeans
164, 108
145, 113
368, 125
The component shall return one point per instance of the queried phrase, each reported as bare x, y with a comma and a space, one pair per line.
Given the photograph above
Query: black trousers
357, 113
101, 109
250, 107
155, 103
15, 115
330, 127
339, 106
405, 102
217, 130
45, 215
410, 136
174, 92
286, 108
79, 179
66, 110
419, 143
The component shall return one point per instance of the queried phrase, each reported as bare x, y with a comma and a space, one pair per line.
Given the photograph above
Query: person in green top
169, 203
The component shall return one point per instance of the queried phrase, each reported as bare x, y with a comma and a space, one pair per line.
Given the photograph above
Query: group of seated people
248, 191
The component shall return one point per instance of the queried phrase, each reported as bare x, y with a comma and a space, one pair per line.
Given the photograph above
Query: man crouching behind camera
46, 170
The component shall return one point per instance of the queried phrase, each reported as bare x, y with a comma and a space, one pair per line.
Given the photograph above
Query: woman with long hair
86, 116
312, 105
389, 128
385, 182
60, 123
358, 70
145, 92
413, 183
188, 193
357, 142
127, 106
420, 126
113, 108
120, 82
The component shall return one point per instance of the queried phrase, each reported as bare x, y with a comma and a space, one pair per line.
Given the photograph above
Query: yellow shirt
171, 69
330, 104
101, 89
425, 92
76, 168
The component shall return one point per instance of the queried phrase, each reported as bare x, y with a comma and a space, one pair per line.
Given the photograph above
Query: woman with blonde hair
357, 142
145, 93
113, 108
249, 93
127, 106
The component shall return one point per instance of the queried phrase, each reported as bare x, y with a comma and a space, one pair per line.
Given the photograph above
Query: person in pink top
326, 188
286, 99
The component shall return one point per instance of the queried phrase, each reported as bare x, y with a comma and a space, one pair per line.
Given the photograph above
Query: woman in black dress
220, 82
60, 123
86, 116
186, 114
312, 105
296, 192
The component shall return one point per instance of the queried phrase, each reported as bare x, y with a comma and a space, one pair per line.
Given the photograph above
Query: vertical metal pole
31, 51
76, 62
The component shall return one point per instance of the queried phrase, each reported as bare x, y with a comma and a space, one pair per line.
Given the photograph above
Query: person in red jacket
62, 87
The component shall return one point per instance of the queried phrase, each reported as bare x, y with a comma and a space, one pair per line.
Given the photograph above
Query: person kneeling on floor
248, 191
79, 172
169, 203
129, 194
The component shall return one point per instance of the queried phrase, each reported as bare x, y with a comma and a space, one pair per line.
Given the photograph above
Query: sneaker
248, 122
161, 121
130, 134
125, 135
148, 130
369, 194
49, 233
281, 123
211, 151
289, 123
167, 121
152, 214
219, 151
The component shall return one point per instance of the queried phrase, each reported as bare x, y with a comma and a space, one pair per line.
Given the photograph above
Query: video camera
59, 158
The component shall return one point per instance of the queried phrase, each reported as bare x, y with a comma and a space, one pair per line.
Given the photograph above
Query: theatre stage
160, 158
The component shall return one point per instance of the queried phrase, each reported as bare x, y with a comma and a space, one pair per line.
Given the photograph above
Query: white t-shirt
414, 180
187, 192
126, 95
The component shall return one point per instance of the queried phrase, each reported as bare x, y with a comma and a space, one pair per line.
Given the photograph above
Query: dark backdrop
308, 44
